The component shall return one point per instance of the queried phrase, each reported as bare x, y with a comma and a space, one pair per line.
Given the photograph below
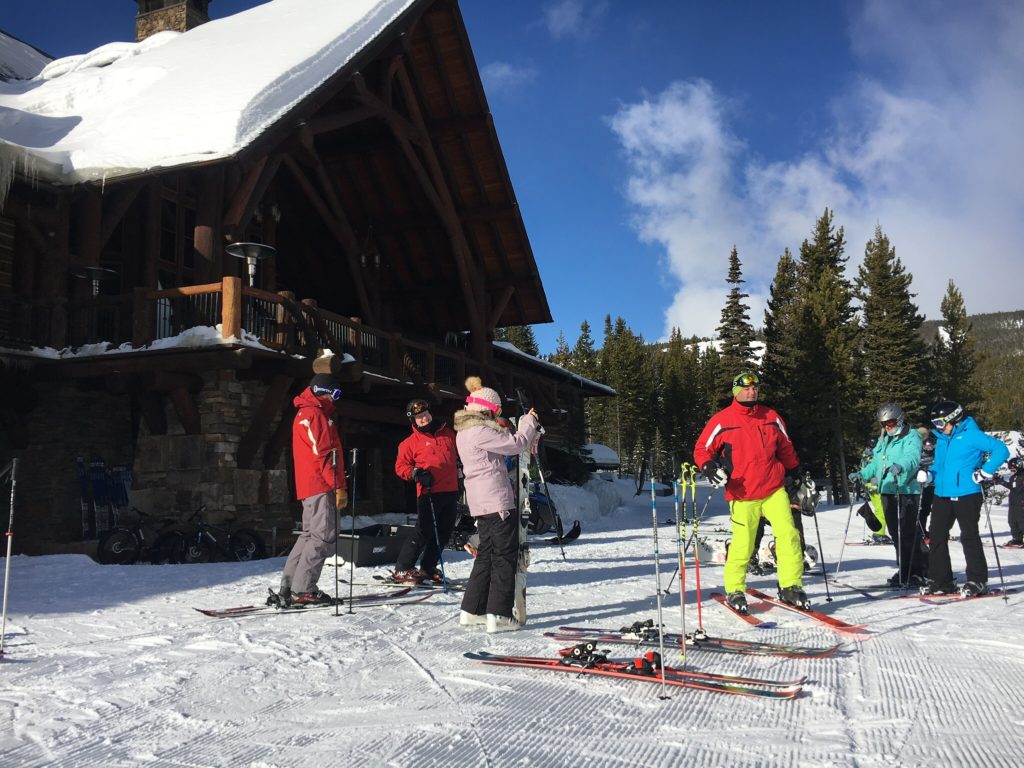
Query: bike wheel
118, 546
169, 548
198, 550
245, 544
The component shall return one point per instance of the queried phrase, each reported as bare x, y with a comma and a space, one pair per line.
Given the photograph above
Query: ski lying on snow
619, 669
571, 535
383, 598
648, 635
830, 621
750, 619
942, 598
380, 581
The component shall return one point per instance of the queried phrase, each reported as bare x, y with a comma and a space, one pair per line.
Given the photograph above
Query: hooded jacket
435, 453
752, 444
902, 450
961, 452
483, 443
314, 437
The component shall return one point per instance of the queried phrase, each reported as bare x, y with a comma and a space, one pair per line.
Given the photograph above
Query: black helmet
945, 412
1014, 464
416, 407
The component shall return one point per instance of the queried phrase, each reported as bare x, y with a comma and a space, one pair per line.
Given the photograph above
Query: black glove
714, 473
895, 470
423, 477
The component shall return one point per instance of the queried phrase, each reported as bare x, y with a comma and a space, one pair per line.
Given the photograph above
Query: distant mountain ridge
996, 333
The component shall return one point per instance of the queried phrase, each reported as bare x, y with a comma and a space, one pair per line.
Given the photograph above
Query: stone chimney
177, 15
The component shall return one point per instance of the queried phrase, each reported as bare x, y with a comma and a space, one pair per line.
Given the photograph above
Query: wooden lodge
132, 333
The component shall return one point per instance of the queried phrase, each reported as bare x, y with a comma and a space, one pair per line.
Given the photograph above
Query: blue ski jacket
959, 454
902, 450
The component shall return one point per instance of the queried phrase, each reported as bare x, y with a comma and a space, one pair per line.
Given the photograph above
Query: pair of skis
837, 625
646, 634
648, 669
365, 601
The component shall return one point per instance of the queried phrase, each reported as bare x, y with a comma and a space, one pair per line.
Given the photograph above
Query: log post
231, 308
142, 317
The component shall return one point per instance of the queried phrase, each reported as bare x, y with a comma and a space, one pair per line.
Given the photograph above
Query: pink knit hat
481, 398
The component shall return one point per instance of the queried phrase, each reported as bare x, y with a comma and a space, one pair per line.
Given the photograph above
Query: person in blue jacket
893, 470
958, 472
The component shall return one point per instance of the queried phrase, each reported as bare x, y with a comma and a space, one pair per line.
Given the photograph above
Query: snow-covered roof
176, 99
507, 347
602, 455
19, 60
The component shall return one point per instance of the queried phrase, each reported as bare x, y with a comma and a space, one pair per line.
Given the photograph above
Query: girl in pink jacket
483, 444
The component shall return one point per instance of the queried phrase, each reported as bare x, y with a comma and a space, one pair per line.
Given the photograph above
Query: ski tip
766, 625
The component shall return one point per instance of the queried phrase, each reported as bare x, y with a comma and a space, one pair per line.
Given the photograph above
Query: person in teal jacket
893, 470
965, 459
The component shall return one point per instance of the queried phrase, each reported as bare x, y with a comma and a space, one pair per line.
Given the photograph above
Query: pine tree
735, 333
562, 355
954, 358
520, 336
822, 425
893, 351
782, 355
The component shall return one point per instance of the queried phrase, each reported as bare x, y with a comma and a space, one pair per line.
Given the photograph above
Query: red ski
829, 621
754, 621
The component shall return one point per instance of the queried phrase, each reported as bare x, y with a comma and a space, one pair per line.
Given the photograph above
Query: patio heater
251, 253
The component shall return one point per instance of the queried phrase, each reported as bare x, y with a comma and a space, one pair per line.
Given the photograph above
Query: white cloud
502, 76
573, 18
932, 154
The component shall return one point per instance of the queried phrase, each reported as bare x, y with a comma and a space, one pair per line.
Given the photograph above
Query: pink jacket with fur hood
483, 445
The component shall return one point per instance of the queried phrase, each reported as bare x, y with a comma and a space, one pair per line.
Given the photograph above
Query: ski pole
899, 538
821, 552
988, 518
352, 528
696, 546
437, 538
521, 396
842, 549
12, 471
337, 529
657, 579
680, 540
675, 503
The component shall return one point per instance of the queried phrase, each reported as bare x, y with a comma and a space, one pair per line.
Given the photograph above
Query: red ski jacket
314, 436
753, 446
436, 453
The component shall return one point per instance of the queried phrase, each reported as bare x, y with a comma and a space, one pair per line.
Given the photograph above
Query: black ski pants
492, 583
902, 523
966, 511
425, 541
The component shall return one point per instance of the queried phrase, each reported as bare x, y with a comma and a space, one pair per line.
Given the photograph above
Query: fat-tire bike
207, 543
124, 545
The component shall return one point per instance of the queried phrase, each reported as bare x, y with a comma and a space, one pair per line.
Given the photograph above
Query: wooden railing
277, 320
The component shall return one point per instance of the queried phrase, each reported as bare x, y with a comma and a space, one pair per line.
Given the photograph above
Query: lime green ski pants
745, 516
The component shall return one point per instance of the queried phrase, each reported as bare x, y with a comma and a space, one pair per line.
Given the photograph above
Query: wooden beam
274, 400
247, 196
208, 237
187, 412
499, 305
114, 210
348, 246
328, 123
196, 360
280, 439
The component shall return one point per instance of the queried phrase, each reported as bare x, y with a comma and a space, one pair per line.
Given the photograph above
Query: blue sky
646, 138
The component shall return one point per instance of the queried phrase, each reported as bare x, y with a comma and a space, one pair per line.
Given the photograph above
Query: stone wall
177, 18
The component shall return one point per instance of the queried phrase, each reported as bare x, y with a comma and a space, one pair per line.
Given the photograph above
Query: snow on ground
110, 666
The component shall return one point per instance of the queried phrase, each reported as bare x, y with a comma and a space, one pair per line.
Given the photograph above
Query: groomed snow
110, 666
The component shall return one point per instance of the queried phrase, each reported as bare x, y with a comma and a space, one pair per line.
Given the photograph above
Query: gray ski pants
315, 543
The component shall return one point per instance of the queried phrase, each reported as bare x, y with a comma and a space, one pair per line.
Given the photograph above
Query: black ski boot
795, 596
738, 602
648, 665
932, 587
974, 589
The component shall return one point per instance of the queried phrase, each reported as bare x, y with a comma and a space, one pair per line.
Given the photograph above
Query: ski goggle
335, 394
418, 407
890, 423
746, 380
942, 421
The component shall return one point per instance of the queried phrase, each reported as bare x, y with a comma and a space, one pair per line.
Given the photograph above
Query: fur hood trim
466, 419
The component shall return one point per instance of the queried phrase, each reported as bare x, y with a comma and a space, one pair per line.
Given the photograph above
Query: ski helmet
889, 412
945, 412
416, 407
1013, 464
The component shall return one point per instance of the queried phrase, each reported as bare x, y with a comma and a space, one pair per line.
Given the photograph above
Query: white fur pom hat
481, 398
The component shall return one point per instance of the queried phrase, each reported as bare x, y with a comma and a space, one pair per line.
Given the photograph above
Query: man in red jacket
320, 486
428, 458
746, 449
